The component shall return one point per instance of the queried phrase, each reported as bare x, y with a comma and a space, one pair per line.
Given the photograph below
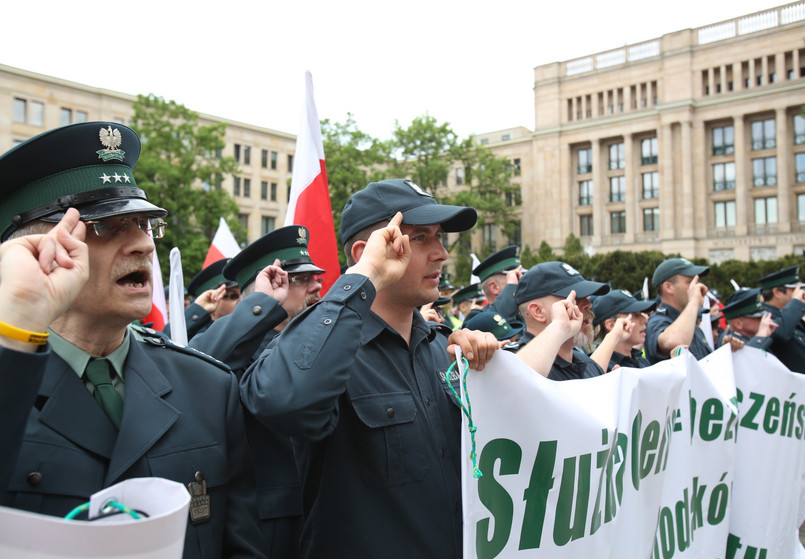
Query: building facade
691, 143
32, 103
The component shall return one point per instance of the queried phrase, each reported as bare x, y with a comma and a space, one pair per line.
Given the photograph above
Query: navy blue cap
501, 261
472, 291
677, 266
555, 278
210, 277
618, 301
380, 201
496, 324
87, 166
788, 277
745, 302
286, 244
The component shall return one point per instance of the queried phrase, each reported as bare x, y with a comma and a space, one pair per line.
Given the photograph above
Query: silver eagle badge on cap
302, 236
110, 139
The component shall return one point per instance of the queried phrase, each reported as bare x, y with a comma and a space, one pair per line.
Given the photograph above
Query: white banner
659, 462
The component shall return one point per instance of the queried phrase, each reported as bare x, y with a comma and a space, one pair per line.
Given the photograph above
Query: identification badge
199, 500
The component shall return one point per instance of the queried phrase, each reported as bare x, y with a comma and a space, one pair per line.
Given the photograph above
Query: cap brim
111, 208
583, 289
517, 330
641, 306
452, 218
700, 271
304, 267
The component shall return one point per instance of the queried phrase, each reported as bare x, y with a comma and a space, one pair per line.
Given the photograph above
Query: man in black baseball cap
784, 298
674, 323
557, 331
624, 338
109, 400
362, 364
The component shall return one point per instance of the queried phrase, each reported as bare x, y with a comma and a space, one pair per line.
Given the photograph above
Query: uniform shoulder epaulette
160, 339
441, 328
661, 310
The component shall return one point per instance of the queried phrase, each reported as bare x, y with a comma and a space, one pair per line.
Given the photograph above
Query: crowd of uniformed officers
304, 425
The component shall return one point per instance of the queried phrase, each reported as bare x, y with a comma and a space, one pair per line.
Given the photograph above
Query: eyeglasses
154, 227
304, 279
231, 296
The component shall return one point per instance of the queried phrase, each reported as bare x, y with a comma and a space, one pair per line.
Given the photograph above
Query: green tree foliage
353, 160
178, 154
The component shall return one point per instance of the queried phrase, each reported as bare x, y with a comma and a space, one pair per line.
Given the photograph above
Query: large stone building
32, 103
693, 142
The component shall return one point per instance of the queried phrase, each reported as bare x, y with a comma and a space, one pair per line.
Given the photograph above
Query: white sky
469, 63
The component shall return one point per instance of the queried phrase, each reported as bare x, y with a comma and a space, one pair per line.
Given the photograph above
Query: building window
723, 140
585, 161
799, 129
217, 181
247, 155
514, 198
617, 189
799, 160
517, 169
764, 171
20, 110
763, 134
36, 114
273, 160
65, 116
266, 225
247, 188
516, 238
648, 151
485, 141
801, 207
651, 219
81, 116
765, 210
489, 236
273, 192
264, 190
586, 225
724, 176
617, 222
264, 159
459, 175
651, 185
617, 156
725, 213
585, 193
290, 163
505, 137
236, 187
244, 220
237, 153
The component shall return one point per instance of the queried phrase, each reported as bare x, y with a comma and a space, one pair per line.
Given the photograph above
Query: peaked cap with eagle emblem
286, 244
87, 166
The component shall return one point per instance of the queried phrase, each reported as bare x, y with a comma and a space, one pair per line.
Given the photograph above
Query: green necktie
99, 374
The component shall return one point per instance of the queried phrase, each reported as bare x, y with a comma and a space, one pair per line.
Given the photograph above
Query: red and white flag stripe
223, 245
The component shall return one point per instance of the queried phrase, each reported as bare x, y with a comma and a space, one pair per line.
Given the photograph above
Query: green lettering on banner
565, 530
748, 420
494, 496
536, 495
771, 419
789, 409
710, 422
648, 446
800, 430
637, 422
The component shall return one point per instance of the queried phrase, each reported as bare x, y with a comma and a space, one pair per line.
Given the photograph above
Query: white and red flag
158, 316
309, 201
223, 245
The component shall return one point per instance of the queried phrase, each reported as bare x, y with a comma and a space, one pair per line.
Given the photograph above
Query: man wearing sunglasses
278, 280
99, 400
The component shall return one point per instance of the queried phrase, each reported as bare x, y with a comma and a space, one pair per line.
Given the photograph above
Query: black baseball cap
745, 302
555, 278
501, 261
677, 266
618, 301
87, 166
379, 201
286, 244
210, 277
496, 324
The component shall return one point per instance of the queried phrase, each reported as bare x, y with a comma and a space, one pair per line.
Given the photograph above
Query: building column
627, 98
711, 86
687, 180
723, 81
785, 175
737, 77
667, 182
599, 193
752, 82
764, 68
795, 63
632, 189
743, 178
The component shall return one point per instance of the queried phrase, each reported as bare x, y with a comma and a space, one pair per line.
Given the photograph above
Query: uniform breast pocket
392, 441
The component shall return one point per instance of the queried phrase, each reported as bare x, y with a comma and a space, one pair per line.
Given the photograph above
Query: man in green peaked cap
99, 400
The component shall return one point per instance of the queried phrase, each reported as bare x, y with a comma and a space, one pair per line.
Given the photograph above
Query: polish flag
223, 245
158, 316
309, 201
